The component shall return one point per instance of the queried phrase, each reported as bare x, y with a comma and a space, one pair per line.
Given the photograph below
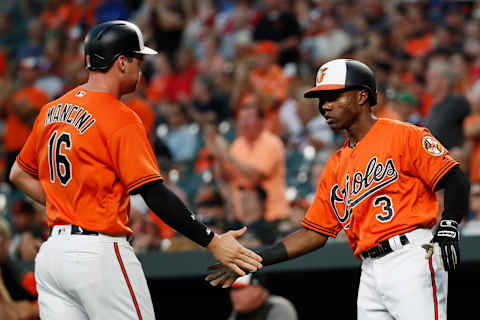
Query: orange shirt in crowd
16, 131
3, 63
144, 110
157, 88
420, 46
380, 188
266, 155
474, 164
273, 83
89, 150
386, 112
426, 104
69, 14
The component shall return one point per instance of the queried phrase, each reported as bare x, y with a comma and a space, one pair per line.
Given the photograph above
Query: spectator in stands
252, 215
252, 300
205, 105
384, 107
280, 25
328, 42
33, 46
184, 72
29, 233
262, 81
22, 110
448, 111
17, 287
211, 208
9, 35
471, 130
181, 138
406, 106
143, 109
162, 73
53, 64
237, 31
472, 226
256, 157
303, 125
298, 209
167, 20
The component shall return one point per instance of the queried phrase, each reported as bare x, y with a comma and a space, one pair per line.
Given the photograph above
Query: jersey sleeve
133, 157
27, 159
426, 157
320, 216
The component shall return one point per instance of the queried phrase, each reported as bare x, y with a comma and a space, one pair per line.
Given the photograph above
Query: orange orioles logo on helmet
432, 146
321, 74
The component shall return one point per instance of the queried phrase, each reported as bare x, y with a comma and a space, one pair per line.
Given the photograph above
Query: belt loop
395, 243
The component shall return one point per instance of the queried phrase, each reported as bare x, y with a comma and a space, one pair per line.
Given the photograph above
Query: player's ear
122, 64
362, 97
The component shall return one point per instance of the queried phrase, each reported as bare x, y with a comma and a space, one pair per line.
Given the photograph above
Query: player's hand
229, 252
219, 274
446, 236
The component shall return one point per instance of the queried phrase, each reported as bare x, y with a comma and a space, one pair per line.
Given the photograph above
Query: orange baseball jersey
89, 150
380, 188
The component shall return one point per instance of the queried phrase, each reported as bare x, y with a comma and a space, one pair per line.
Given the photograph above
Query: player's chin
335, 126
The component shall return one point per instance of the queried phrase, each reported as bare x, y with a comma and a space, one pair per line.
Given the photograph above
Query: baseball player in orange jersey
87, 152
380, 189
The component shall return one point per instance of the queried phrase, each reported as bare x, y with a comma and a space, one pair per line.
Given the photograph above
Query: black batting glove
446, 236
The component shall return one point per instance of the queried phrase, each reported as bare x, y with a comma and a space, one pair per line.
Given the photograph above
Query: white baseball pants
90, 277
404, 285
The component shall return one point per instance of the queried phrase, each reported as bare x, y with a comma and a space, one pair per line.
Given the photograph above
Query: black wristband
273, 254
456, 194
168, 207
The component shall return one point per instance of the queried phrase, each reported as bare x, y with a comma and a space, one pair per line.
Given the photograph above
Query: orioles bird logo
432, 146
321, 74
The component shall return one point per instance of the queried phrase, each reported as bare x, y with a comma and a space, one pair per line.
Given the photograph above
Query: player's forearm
28, 184
294, 245
165, 204
456, 194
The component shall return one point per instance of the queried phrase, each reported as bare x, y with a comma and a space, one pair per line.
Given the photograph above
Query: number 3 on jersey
59, 165
386, 203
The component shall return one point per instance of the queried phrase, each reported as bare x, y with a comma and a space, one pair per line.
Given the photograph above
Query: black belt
79, 230
383, 248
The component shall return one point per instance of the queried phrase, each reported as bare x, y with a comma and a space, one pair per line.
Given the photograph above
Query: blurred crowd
223, 102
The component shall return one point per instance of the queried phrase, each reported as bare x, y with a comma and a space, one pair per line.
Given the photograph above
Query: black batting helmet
108, 40
340, 74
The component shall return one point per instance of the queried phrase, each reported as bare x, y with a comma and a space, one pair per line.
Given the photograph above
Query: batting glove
446, 236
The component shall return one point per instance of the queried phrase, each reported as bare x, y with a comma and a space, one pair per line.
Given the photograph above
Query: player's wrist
273, 254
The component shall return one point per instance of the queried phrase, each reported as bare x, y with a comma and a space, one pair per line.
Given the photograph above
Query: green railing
332, 256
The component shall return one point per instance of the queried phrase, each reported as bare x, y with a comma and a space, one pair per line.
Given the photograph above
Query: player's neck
360, 129
101, 82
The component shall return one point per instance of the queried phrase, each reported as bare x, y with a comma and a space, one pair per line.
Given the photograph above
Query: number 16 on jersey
59, 165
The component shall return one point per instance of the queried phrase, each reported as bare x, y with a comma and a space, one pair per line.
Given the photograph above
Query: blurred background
231, 71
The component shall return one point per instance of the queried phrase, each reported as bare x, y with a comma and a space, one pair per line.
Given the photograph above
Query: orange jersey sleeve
132, 156
382, 187
89, 151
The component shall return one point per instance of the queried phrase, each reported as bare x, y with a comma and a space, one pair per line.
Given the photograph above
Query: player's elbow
15, 174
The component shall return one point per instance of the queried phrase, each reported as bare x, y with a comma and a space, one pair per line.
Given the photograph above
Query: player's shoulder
111, 113
397, 128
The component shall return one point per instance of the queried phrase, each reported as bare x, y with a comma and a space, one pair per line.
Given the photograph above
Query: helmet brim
146, 50
315, 91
